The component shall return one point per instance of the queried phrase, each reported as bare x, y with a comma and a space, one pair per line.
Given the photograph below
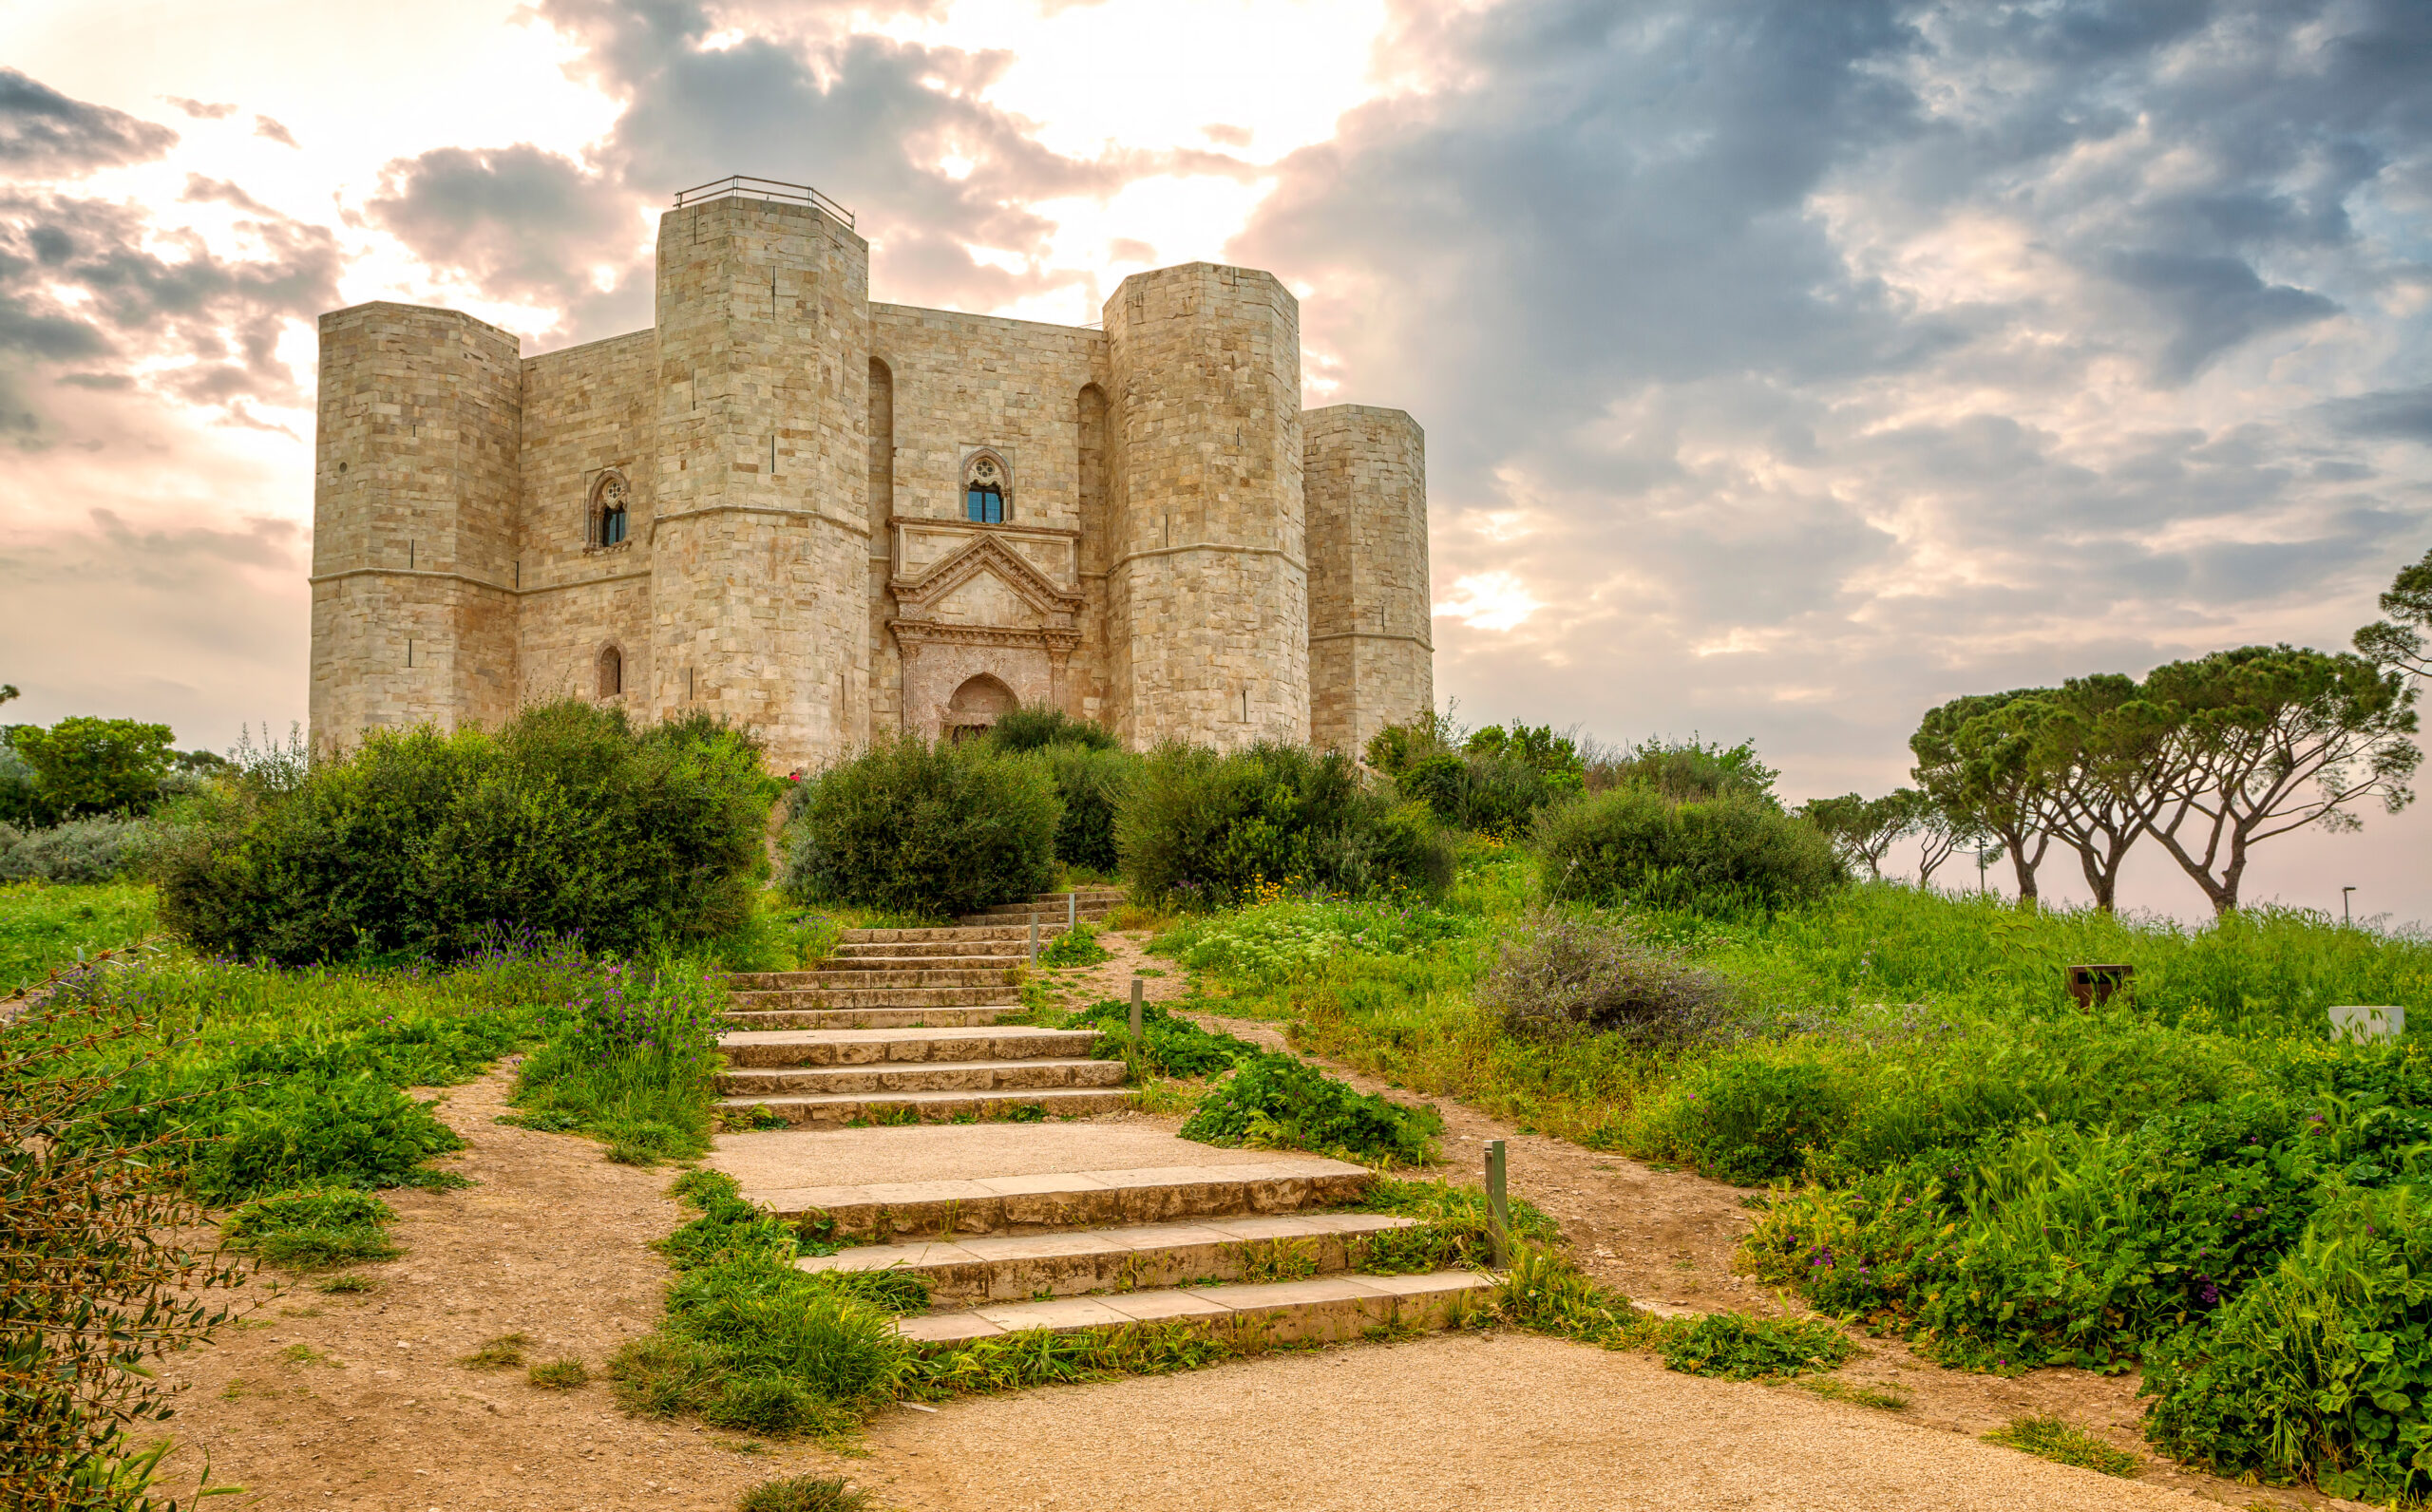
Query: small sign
2353, 1021
2091, 985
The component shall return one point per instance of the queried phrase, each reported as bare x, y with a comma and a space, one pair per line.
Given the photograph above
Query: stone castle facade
830, 518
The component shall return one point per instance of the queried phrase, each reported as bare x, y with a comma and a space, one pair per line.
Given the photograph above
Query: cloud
45, 133
265, 126
200, 110
2402, 413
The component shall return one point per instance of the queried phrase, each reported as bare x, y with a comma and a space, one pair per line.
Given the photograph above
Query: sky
1787, 368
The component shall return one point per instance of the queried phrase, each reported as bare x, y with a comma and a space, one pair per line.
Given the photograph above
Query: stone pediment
987, 583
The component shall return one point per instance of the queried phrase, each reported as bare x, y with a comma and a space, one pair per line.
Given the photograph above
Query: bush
929, 831
1206, 829
85, 765
79, 851
1035, 726
1749, 1117
1279, 1101
1685, 771
804, 1493
1094, 783
566, 821
1733, 1348
1726, 855
1170, 1046
1559, 974
1078, 945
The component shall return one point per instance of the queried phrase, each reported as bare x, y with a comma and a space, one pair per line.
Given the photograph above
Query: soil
361, 1400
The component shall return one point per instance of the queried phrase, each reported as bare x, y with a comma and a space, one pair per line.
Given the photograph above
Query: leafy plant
87, 765
82, 850
1735, 853
311, 1229
2057, 1440
1078, 945
1740, 1348
1561, 974
804, 1493
933, 830
503, 1353
1279, 1101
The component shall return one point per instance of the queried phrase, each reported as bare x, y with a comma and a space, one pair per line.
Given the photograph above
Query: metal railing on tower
743, 186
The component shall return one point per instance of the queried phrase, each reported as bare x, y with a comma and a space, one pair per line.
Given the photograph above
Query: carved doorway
976, 706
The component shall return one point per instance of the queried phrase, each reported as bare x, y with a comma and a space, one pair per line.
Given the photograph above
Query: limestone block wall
588, 411
414, 508
1371, 644
1208, 574
760, 539
886, 669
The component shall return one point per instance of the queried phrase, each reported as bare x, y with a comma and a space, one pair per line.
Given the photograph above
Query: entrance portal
976, 706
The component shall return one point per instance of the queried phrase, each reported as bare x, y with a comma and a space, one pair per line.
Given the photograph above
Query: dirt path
322, 1401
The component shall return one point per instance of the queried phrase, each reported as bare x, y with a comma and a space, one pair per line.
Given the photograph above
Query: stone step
874, 997
1019, 1266
1070, 1200
1042, 912
1008, 953
859, 974
920, 1076
941, 933
868, 1017
939, 1107
751, 1049
1326, 1309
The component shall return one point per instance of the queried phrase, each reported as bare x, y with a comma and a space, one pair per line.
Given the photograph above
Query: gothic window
612, 673
608, 511
983, 491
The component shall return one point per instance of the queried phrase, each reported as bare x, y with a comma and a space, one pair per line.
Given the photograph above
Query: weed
503, 1353
1833, 1390
304, 1355
1077, 946
2055, 1439
1452, 1231
348, 1284
1278, 1260
313, 1229
804, 1493
1275, 1101
1740, 1348
1026, 1113
1560, 975
560, 1374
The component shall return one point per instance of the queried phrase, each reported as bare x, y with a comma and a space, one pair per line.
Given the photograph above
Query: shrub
1078, 945
930, 830
1170, 1046
81, 850
1275, 1101
1728, 854
1035, 726
1094, 783
85, 765
566, 821
20, 788
630, 1055
1559, 974
1753, 1115
1685, 771
1207, 829
311, 1229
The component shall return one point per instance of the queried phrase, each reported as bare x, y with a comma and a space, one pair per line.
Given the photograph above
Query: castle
830, 518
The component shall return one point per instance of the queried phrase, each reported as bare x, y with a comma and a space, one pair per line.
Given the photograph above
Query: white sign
2353, 1021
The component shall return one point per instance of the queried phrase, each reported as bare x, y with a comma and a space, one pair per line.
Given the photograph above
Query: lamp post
2346, 916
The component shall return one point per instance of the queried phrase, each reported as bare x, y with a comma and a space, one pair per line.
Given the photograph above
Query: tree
1862, 829
1943, 835
2110, 764
89, 766
2404, 639
1686, 771
1981, 761
8, 690
2273, 738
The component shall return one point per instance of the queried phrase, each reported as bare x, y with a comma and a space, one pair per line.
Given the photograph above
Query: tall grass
631, 1055
44, 925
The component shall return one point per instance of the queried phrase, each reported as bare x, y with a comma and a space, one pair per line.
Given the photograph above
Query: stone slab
983, 1153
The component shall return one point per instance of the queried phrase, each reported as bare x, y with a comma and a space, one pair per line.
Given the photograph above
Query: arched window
612, 673
608, 513
983, 491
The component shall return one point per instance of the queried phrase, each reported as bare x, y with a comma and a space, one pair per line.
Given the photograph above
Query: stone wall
413, 509
1207, 584
1371, 644
589, 411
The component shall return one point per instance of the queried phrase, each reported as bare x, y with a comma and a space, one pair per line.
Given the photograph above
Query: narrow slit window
612, 673
609, 512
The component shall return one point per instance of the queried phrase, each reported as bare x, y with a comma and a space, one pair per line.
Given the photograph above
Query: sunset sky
1786, 368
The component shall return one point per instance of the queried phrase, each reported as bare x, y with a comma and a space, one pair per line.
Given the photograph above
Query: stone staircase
903, 1026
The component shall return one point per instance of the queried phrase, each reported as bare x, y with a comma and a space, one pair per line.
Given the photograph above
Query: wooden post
1498, 1208
1137, 985
1034, 941
1072, 911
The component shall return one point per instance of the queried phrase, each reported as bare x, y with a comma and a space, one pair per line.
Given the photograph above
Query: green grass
2055, 1439
1831, 1391
501, 1354
560, 1374
43, 925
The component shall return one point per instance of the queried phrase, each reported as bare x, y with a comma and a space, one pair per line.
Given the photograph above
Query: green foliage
631, 1054
47, 927
1451, 1233
2399, 641
1280, 1102
1035, 726
567, 821
1735, 1348
2322, 1368
2056, 1439
1751, 1116
1731, 854
309, 1229
1078, 945
1094, 782
931, 830
20, 787
1689, 771
1204, 829
1289, 940
1168, 1045
562, 1374
1493, 779
81, 850
85, 766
